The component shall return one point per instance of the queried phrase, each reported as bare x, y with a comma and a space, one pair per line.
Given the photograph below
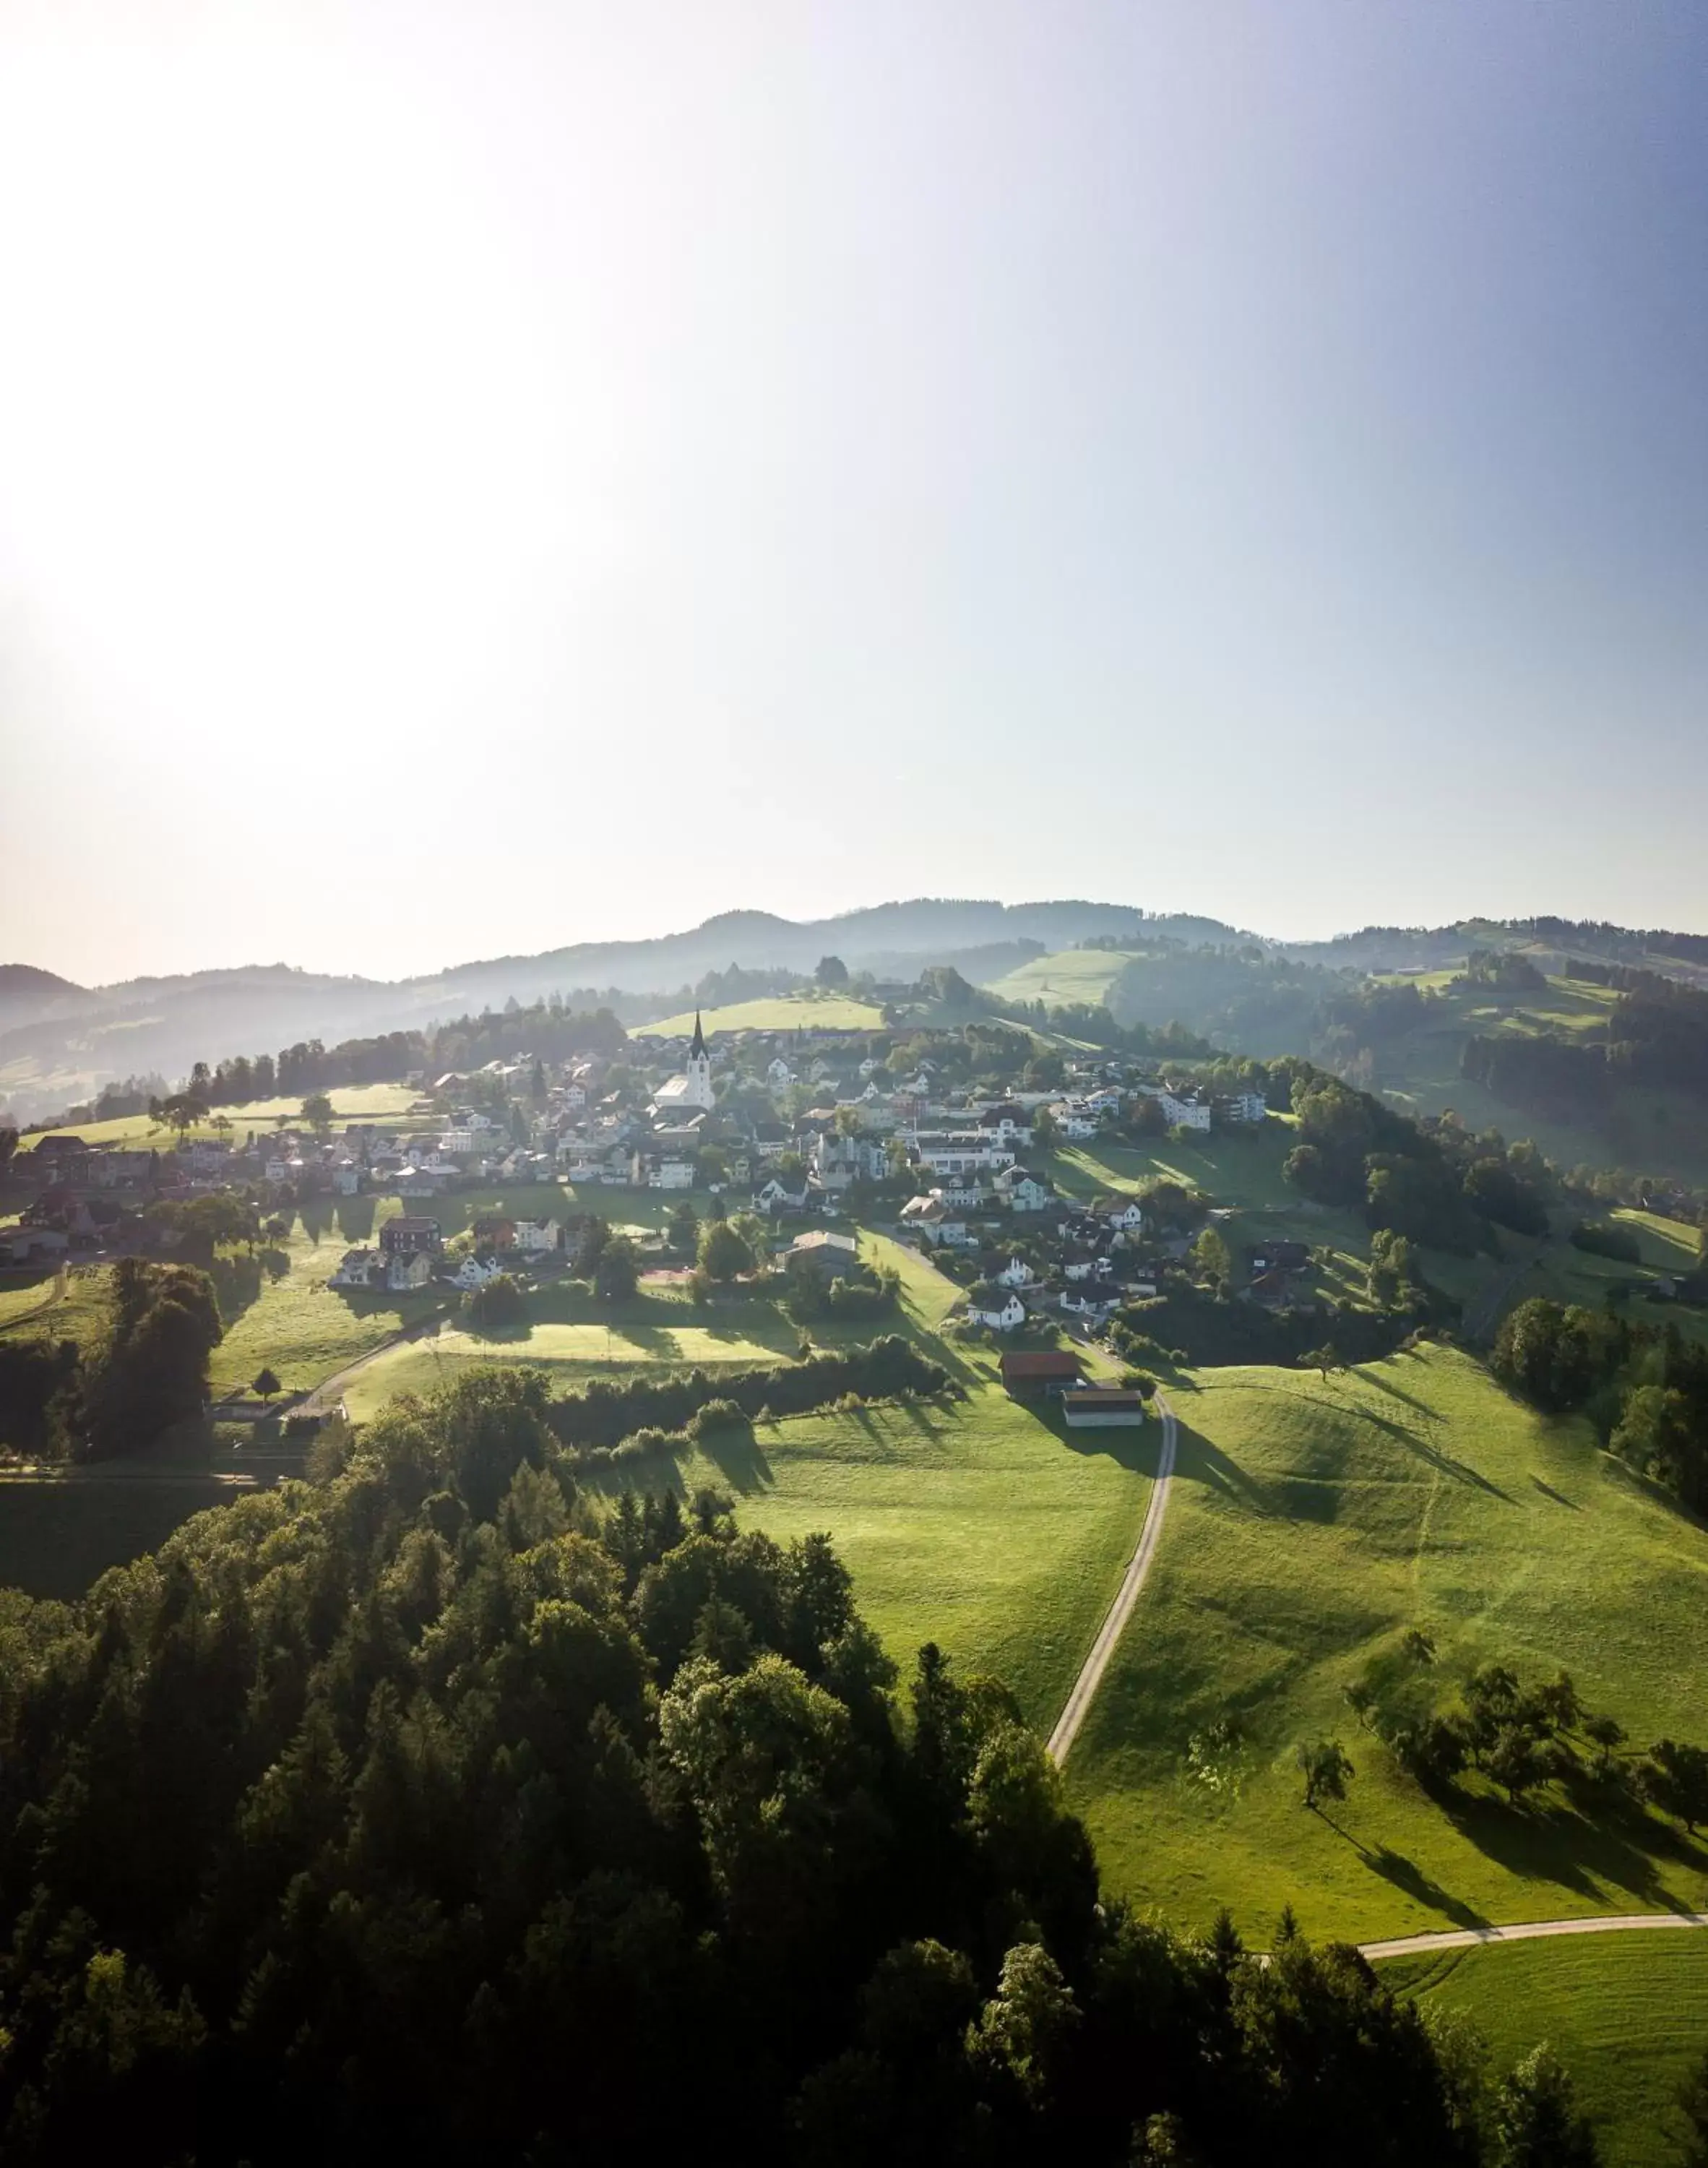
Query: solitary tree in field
1325, 1766
317, 1111
617, 1272
1322, 1359
724, 1252
832, 971
264, 1384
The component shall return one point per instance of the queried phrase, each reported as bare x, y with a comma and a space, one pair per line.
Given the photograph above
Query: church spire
699, 1044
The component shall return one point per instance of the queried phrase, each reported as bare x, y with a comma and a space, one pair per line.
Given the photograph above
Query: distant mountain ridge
60, 1041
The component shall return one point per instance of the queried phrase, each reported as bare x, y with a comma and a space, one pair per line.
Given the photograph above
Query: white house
1089, 1302
538, 1236
1015, 1273
1179, 1112
961, 1151
347, 1177
779, 1075
1246, 1106
1023, 1192
1075, 1123
377, 1271
776, 1197
1124, 1214
1000, 1317
473, 1272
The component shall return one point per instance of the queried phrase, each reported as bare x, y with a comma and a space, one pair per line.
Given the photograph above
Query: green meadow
1310, 1525
979, 1526
1067, 978
800, 1011
568, 1333
1628, 2015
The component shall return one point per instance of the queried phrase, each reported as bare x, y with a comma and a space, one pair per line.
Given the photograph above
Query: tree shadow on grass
1367, 1374
1556, 1497
1549, 1838
1198, 1461
1407, 1876
1460, 1471
739, 1459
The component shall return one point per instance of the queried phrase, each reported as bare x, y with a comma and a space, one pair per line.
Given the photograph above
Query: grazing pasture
1311, 1525
1628, 2015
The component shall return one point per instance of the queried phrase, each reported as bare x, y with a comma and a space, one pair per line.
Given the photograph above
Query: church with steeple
694, 1087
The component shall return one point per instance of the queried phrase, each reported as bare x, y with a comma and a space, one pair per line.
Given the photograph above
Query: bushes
1601, 1241
1196, 1327
500, 1304
607, 1413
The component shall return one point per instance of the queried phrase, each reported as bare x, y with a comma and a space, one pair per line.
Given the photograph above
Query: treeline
1520, 1736
434, 1813
1194, 1325
1573, 934
1656, 1034
1645, 1388
604, 1412
1435, 1182
147, 1369
549, 1030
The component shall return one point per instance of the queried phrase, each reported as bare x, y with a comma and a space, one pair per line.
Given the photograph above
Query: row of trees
1520, 1736
440, 1813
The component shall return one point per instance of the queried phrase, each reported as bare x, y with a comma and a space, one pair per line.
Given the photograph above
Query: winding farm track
1529, 1931
1078, 1704
1078, 1701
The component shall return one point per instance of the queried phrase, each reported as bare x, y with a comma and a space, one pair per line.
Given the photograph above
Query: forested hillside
439, 1811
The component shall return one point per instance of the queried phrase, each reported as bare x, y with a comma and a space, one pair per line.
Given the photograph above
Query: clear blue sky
473, 478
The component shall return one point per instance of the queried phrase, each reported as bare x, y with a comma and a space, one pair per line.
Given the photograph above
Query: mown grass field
1627, 2013
979, 1526
802, 1011
568, 1332
1070, 976
351, 1103
1310, 1525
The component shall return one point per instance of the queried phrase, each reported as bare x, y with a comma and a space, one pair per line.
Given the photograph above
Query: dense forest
436, 1810
1657, 1034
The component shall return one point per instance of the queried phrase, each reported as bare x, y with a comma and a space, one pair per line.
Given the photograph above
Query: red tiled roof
1054, 1362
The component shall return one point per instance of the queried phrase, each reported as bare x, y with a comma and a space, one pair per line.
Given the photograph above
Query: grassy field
1071, 976
567, 1332
802, 1011
980, 1526
280, 1313
1651, 1132
1310, 1524
1627, 2013
351, 1103
22, 1292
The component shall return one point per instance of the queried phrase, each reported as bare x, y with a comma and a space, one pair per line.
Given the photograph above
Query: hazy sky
476, 477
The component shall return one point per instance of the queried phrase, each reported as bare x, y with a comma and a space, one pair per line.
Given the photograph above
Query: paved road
1529, 1931
1091, 1678
327, 1391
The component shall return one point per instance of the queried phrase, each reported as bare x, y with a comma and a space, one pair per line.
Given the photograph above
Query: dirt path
61, 1281
1091, 1678
1529, 1931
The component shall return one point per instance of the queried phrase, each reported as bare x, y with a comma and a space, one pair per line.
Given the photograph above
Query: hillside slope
1311, 1525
